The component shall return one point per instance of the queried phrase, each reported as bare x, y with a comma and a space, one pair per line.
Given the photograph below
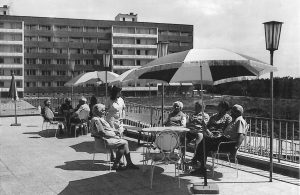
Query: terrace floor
31, 162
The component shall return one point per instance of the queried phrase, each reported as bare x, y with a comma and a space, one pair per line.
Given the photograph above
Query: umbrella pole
162, 104
203, 141
16, 120
106, 86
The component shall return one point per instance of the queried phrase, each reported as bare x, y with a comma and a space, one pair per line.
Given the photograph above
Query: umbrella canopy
218, 66
96, 77
130, 76
13, 92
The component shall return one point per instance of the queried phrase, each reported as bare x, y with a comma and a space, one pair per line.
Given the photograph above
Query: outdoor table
155, 130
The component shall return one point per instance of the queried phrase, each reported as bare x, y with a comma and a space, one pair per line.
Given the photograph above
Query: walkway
33, 163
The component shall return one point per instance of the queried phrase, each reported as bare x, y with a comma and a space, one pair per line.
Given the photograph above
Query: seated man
48, 114
235, 131
82, 113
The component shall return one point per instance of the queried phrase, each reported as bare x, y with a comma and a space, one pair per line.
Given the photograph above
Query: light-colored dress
101, 129
116, 113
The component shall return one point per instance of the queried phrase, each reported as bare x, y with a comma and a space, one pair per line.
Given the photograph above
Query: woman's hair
180, 104
224, 104
93, 100
114, 91
97, 108
45, 101
202, 107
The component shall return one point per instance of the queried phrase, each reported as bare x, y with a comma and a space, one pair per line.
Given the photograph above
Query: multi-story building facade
50, 45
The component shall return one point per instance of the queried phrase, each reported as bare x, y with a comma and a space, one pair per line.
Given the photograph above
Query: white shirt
115, 108
83, 112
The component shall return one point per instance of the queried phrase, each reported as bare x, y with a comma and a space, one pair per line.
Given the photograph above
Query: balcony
11, 54
11, 66
3, 42
134, 56
9, 77
134, 35
11, 30
138, 46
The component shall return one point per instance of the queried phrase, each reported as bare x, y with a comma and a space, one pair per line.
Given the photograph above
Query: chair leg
94, 158
152, 173
213, 164
237, 167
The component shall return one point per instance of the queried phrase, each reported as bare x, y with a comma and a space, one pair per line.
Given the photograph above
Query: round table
159, 129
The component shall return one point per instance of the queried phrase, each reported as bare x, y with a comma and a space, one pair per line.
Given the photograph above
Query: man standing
235, 131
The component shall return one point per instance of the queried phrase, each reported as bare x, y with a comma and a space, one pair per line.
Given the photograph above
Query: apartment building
48, 46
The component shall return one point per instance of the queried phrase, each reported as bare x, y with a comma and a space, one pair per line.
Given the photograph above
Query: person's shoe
197, 172
118, 167
132, 166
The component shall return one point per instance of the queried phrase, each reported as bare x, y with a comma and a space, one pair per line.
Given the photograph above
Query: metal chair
100, 146
47, 124
166, 142
228, 149
83, 125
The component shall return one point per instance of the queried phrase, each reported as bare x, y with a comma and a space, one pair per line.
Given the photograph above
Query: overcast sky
232, 24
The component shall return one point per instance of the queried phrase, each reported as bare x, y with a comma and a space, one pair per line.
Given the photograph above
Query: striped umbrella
217, 66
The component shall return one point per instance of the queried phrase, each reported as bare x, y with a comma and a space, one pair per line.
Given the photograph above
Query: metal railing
286, 143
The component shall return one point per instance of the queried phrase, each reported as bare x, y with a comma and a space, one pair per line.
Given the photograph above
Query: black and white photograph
142, 97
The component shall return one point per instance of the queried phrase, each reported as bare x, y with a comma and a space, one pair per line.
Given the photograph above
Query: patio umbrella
95, 77
130, 76
13, 93
204, 66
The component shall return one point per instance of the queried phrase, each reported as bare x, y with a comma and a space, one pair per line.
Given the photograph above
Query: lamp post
106, 62
272, 36
72, 69
162, 50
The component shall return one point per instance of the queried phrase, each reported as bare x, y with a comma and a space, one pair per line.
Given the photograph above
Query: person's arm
240, 139
183, 120
104, 131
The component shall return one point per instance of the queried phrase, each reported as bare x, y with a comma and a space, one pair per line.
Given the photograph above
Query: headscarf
238, 108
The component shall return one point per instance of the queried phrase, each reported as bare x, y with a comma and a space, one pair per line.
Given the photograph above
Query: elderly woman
217, 123
101, 129
195, 124
176, 117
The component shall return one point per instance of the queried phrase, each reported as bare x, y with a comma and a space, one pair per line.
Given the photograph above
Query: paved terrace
33, 163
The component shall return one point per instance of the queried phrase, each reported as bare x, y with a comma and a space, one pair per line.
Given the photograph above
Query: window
173, 33
17, 61
45, 38
61, 61
76, 29
61, 28
30, 38
146, 52
46, 61
31, 72
138, 52
45, 27
123, 19
89, 51
118, 52
60, 83
75, 39
30, 61
61, 72
90, 40
16, 72
1, 71
77, 62
46, 72
46, 84
31, 26
90, 62
185, 34
1, 60
138, 41
75, 51
1, 84
31, 49
118, 62
60, 39
91, 29
184, 44
27, 84
18, 83
45, 50
138, 62
60, 50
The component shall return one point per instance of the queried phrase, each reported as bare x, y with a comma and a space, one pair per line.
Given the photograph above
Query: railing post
279, 144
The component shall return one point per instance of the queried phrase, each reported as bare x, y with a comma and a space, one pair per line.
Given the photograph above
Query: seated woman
48, 115
101, 129
217, 122
195, 124
176, 117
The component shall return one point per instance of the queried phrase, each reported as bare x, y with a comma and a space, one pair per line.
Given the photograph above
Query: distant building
52, 44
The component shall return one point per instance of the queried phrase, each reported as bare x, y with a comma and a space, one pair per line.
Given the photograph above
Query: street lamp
106, 62
272, 36
162, 50
72, 69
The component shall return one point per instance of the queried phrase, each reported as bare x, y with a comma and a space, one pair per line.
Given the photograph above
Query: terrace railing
286, 143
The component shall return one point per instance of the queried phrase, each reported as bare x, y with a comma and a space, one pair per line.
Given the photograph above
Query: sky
235, 25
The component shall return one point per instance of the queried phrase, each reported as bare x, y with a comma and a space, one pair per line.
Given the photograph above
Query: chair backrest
167, 141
